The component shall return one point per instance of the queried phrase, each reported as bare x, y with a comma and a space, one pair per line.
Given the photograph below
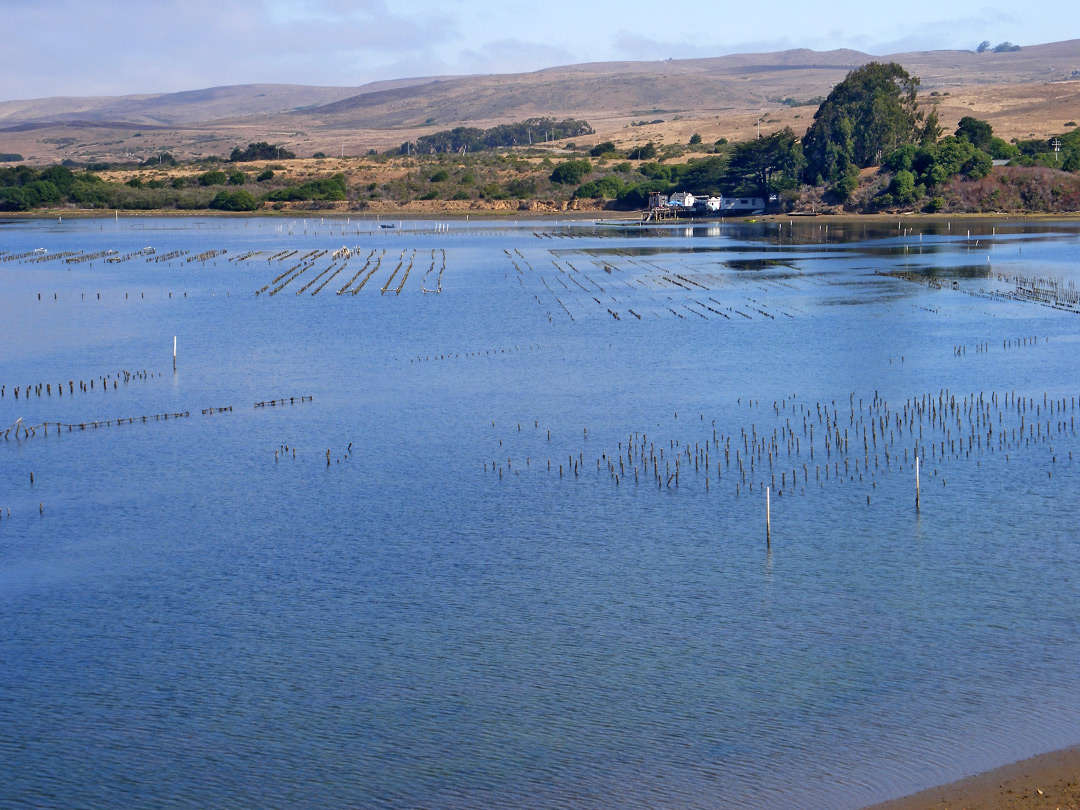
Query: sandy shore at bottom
1046, 782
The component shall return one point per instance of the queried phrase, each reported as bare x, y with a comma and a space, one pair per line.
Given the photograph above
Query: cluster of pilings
791, 445
481, 353
31, 431
270, 403
101, 382
442, 269
674, 288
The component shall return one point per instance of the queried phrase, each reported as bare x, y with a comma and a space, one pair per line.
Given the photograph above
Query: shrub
260, 151
267, 174
902, 187
213, 178
646, 152
332, 188
570, 172
234, 201
441, 176
521, 188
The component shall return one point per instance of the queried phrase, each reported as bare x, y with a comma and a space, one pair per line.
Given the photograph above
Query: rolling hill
1033, 91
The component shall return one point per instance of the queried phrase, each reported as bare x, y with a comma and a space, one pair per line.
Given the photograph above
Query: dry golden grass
1024, 94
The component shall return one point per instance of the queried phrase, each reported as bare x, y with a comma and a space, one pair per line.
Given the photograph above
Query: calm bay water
192, 615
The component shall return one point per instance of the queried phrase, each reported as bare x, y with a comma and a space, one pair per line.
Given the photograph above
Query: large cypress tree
865, 117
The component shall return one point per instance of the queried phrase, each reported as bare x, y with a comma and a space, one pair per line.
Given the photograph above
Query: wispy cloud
169, 45
107, 47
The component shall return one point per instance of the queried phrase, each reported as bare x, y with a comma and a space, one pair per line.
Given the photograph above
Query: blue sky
111, 47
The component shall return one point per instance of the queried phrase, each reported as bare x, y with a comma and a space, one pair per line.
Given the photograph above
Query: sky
117, 47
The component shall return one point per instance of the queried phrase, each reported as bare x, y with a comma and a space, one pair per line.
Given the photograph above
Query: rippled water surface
512, 551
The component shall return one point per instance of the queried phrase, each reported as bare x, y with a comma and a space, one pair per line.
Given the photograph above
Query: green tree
695, 139
765, 165
605, 188
60, 176
521, 188
237, 178
213, 178
705, 176
936, 165
13, 199
646, 152
260, 151
602, 149
868, 115
570, 172
978, 133
331, 188
902, 187
931, 130
1001, 149
234, 201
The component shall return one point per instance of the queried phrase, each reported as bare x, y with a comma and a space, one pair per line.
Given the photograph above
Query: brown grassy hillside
1031, 92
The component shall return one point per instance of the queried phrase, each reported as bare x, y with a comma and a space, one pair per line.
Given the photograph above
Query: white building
742, 205
681, 199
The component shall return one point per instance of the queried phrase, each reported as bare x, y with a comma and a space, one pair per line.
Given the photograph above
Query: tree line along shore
875, 146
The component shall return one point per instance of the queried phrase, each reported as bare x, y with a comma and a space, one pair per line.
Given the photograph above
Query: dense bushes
214, 177
330, 188
234, 201
471, 139
571, 172
260, 151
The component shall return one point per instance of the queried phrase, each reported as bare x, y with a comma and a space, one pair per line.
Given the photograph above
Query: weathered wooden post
768, 519
916, 483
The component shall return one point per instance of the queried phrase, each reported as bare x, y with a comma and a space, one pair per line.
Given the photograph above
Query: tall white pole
174, 353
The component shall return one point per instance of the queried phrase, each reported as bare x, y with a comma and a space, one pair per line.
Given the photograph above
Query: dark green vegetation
24, 188
932, 176
328, 189
873, 146
1003, 47
234, 201
260, 151
868, 115
470, 139
10, 157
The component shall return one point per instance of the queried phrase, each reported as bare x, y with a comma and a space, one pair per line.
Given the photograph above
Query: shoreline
519, 215
1049, 781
